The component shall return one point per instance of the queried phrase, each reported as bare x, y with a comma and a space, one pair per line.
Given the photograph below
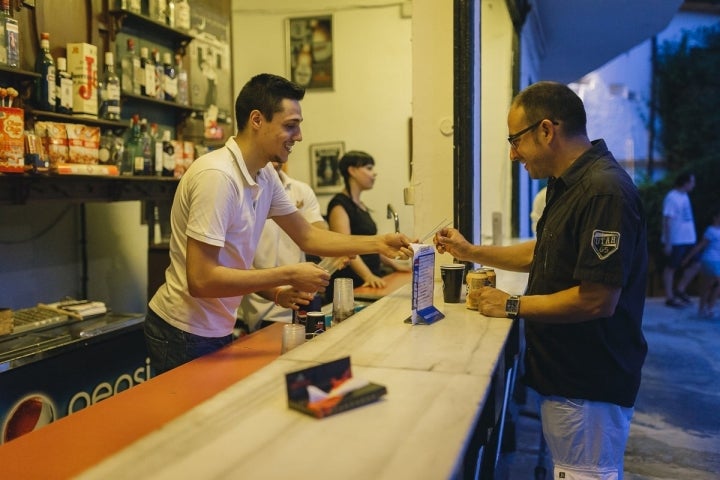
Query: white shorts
586, 439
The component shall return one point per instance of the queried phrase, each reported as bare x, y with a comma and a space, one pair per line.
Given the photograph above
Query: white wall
370, 106
432, 89
497, 55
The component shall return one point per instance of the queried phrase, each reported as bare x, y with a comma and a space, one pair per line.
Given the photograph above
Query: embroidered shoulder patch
605, 243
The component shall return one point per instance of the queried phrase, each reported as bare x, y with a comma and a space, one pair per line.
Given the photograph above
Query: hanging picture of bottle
310, 51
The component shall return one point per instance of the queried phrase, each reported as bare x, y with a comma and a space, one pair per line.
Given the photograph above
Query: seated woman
348, 214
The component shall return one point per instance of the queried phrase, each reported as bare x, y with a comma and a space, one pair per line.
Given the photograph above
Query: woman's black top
361, 223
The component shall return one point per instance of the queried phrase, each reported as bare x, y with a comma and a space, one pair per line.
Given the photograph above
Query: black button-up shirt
593, 229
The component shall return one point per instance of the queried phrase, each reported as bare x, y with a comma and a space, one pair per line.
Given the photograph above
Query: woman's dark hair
265, 92
353, 158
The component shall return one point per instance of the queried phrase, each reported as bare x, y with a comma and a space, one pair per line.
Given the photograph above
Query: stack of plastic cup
293, 335
343, 299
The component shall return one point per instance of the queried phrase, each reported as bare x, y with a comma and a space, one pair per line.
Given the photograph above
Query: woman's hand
373, 281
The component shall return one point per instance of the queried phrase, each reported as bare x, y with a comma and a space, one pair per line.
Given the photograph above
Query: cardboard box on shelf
82, 65
12, 142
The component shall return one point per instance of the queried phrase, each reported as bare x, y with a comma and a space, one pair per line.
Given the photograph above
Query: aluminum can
492, 278
475, 279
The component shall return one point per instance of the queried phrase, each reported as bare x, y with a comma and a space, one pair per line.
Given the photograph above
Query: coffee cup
452, 280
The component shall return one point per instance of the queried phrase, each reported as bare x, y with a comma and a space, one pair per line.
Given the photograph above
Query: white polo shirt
217, 202
277, 248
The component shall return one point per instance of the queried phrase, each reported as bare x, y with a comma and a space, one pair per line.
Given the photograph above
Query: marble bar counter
443, 383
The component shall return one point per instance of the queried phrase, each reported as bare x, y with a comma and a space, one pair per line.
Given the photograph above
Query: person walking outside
709, 245
678, 237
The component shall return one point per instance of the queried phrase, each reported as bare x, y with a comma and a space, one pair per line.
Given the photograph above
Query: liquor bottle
170, 81
64, 88
109, 90
9, 37
45, 85
182, 15
157, 149
135, 6
168, 155
107, 152
183, 97
148, 87
159, 74
132, 160
146, 149
130, 70
156, 10
170, 14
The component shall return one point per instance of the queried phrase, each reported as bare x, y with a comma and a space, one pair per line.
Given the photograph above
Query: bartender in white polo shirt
276, 248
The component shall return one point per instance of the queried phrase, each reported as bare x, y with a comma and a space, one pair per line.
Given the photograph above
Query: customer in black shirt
584, 301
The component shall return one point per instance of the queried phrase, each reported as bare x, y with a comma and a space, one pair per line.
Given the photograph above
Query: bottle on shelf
134, 6
107, 152
132, 159
170, 13
146, 149
156, 10
109, 90
64, 88
183, 95
147, 88
9, 37
130, 70
170, 81
45, 85
182, 15
157, 149
168, 155
159, 74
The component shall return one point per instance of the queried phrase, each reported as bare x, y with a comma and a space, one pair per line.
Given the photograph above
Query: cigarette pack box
82, 65
12, 141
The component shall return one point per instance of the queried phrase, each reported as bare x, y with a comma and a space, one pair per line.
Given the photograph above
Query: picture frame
324, 167
309, 51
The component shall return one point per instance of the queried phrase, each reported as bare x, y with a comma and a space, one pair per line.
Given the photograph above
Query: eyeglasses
512, 139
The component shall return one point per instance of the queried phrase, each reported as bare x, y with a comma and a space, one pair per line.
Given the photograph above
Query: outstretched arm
515, 258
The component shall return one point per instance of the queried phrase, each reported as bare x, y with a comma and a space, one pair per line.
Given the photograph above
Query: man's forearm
514, 258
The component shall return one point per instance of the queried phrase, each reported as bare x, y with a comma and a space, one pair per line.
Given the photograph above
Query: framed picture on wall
310, 51
325, 174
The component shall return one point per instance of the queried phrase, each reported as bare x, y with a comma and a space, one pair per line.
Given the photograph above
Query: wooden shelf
150, 29
61, 117
20, 189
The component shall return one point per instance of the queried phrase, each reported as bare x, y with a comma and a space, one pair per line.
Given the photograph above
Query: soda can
315, 322
475, 279
492, 278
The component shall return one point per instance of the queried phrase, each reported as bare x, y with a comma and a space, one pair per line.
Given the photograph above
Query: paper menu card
423, 285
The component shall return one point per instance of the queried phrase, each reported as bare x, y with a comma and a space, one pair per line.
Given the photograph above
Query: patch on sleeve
605, 243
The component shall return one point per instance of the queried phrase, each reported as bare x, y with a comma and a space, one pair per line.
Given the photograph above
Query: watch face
512, 306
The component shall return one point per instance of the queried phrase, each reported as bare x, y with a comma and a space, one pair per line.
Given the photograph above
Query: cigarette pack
329, 388
82, 65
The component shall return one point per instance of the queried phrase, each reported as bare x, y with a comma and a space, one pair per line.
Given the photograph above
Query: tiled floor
675, 432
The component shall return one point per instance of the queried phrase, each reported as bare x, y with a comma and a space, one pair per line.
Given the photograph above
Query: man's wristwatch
512, 307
